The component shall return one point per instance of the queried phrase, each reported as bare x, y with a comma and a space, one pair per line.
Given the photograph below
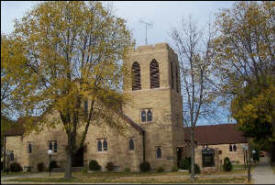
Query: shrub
227, 166
94, 166
53, 164
84, 170
110, 166
197, 169
160, 169
15, 167
185, 163
127, 170
174, 168
40, 167
145, 166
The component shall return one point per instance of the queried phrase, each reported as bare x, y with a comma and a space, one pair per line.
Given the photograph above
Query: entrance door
179, 155
78, 158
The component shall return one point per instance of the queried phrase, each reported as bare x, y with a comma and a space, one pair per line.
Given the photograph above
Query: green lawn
3, 174
131, 177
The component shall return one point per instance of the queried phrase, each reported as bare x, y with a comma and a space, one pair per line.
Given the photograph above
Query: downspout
4, 161
143, 144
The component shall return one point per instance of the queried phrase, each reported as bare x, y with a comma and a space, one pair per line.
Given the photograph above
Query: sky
164, 15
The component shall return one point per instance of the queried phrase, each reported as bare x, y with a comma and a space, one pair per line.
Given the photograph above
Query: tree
195, 60
11, 52
73, 54
245, 62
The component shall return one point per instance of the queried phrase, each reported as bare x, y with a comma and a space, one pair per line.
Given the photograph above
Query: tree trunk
68, 166
69, 153
192, 154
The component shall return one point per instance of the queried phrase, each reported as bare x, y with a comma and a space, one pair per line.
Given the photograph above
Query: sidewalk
263, 173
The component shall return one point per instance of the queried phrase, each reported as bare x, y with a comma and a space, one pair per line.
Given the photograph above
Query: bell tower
153, 87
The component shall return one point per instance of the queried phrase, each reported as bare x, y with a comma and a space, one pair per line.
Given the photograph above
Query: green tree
73, 53
245, 62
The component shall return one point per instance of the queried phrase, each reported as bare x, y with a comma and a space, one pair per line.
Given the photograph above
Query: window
234, 148
102, 145
29, 148
146, 115
177, 79
154, 74
158, 153
50, 145
143, 116
99, 146
53, 145
172, 75
230, 148
149, 115
12, 156
131, 144
208, 157
136, 83
105, 145
86, 106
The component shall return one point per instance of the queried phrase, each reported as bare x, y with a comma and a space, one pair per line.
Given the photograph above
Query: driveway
263, 173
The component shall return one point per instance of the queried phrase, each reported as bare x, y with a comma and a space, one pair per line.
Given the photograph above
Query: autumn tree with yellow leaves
70, 55
246, 65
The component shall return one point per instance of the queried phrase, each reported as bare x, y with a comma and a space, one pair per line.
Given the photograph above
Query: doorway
179, 155
78, 158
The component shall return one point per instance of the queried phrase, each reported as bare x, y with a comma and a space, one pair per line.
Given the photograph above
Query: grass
165, 179
4, 174
132, 177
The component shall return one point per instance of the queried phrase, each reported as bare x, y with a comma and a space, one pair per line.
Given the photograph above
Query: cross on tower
147, 24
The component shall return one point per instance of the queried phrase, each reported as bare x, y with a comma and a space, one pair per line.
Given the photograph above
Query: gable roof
16, 129
218, 134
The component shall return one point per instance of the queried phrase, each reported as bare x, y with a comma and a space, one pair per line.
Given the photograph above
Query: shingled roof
218, 134
16, 127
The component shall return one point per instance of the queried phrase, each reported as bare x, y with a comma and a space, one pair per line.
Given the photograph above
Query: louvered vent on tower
154, 74
136, 84
177, 79
172, 76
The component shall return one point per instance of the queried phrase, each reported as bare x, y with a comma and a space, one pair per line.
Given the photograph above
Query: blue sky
164, 15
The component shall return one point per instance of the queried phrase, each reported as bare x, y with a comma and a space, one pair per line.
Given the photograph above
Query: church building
154, 115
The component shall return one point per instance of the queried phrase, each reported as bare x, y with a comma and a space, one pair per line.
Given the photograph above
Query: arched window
55, 146
149, 115
99, 146
208, 156
29, 148
143, 116
230, 148
172, 76
177, 79
136, 83
131, 144
86, 106
158, 153
105, 145
12, 156
234, 148
50, 145
154, 74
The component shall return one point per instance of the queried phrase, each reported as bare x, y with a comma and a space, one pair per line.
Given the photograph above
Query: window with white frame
53, 145
146, 115
102, 145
